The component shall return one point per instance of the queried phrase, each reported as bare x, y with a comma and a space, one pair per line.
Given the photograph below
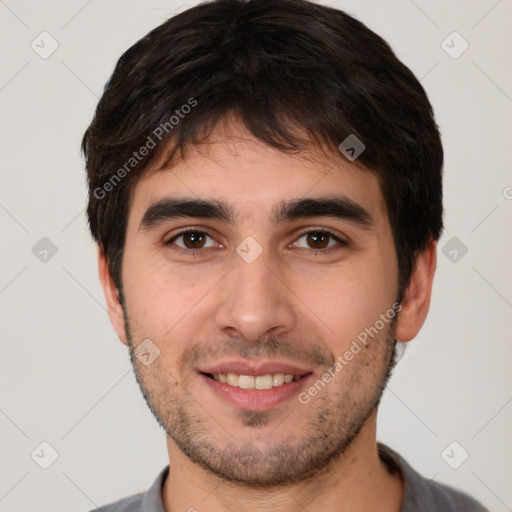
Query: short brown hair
281, 67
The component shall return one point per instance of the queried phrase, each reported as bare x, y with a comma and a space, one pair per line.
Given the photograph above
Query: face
267, 283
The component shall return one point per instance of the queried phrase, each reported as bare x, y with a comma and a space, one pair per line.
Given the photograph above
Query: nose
255, 300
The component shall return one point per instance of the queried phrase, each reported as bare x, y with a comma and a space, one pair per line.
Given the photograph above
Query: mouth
255, 386
267, 381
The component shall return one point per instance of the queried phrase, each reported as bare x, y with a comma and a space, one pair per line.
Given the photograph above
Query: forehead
234, 167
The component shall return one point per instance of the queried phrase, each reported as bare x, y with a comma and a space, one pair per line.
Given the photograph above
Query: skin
290, 305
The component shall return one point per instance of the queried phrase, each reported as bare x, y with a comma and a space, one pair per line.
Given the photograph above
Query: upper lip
254, 368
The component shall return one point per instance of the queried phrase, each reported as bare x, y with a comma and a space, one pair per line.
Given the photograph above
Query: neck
356, 481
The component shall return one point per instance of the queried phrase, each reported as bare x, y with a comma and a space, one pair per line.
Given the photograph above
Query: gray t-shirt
420, 494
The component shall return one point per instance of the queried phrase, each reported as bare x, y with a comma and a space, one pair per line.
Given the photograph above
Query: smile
267, 381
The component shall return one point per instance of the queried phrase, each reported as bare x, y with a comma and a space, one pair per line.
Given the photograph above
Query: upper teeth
258, 382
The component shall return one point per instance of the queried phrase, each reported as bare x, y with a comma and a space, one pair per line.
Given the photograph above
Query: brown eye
193, 240
190, 240
318, 239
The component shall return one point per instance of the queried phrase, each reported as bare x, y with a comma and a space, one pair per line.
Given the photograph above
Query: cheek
161, 300
348, 300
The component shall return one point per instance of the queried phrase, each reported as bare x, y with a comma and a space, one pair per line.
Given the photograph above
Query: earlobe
416, 299
114, 307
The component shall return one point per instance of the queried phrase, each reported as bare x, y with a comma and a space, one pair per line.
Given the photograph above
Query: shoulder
421, 494
130, 504
444, 497
149, 501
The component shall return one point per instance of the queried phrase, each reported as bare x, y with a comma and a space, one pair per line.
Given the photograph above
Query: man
266, 194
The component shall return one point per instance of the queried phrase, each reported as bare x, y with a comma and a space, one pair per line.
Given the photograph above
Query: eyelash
197, 252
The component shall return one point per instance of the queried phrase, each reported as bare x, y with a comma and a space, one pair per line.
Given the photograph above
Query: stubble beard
335, 419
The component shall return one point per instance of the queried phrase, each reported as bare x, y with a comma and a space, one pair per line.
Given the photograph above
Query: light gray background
66, 379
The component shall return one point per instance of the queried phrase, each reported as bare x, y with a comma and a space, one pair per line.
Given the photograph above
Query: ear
115, 310
416, 299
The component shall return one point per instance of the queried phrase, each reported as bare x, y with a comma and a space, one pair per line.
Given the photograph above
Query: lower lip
256, 399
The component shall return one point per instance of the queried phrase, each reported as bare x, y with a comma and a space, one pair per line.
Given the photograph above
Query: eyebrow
336, 206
